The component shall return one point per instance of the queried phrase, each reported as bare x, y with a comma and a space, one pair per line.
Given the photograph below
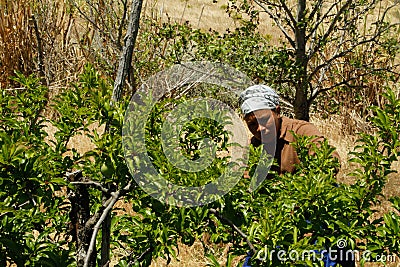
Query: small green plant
33, 219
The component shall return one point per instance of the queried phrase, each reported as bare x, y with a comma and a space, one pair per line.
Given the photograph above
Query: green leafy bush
306, 210
33, 216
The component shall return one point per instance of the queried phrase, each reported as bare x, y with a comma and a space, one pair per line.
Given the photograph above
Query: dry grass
335, 129
188, 256
204, 14
80, 142
193, 256
40, 37
16, 39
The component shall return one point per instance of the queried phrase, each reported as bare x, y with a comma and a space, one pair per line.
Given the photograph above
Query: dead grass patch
206, 15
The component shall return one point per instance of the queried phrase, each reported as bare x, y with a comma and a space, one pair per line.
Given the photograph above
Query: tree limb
93, 183
348, 80
120, 28
140, 258
278, 23
94, 24
316, 9
108, 206
350, 49
234, 227
331, 27
125, 59
324, 17
333, 58
289, 14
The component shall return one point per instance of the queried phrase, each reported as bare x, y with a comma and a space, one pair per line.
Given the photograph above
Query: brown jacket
285, 153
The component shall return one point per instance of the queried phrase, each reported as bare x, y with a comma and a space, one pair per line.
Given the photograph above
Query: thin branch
93, 183
285, 101
351, 48
324, 68
385, 13
140, 258
12, 89
72, 175
121, 26
289, 15
316, 8
109, 204
331, 27
339, 55
278, 23
321, 20
39, 47
346, 82
231, 224
92, 22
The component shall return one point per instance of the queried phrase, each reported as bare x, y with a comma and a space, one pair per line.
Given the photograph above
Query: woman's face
264, 124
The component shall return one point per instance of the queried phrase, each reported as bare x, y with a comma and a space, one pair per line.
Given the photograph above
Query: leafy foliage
306, 210
33, 216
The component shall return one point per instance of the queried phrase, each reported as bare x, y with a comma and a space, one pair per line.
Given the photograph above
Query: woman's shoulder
300, 126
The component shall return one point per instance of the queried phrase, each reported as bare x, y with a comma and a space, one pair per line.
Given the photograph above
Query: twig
109, 205
12, 89
278, 23
332, 26
95, 184
201, 14
231, 224
141, 257
94, 24
24, 88
184, 10
39, 47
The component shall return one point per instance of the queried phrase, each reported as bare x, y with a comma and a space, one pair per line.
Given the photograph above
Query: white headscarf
258, 97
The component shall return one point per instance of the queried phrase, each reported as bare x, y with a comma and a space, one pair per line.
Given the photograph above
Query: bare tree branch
94, 24
289, 15
93, 183
326, 15
331, 27
316, 9
140, 258
348, 80
127, 51
383, 17
108, 206
278, 23
350, 49
121, 26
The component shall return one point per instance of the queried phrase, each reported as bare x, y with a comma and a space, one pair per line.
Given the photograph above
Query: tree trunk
126, 56
81, 229
300, 105
123, 70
